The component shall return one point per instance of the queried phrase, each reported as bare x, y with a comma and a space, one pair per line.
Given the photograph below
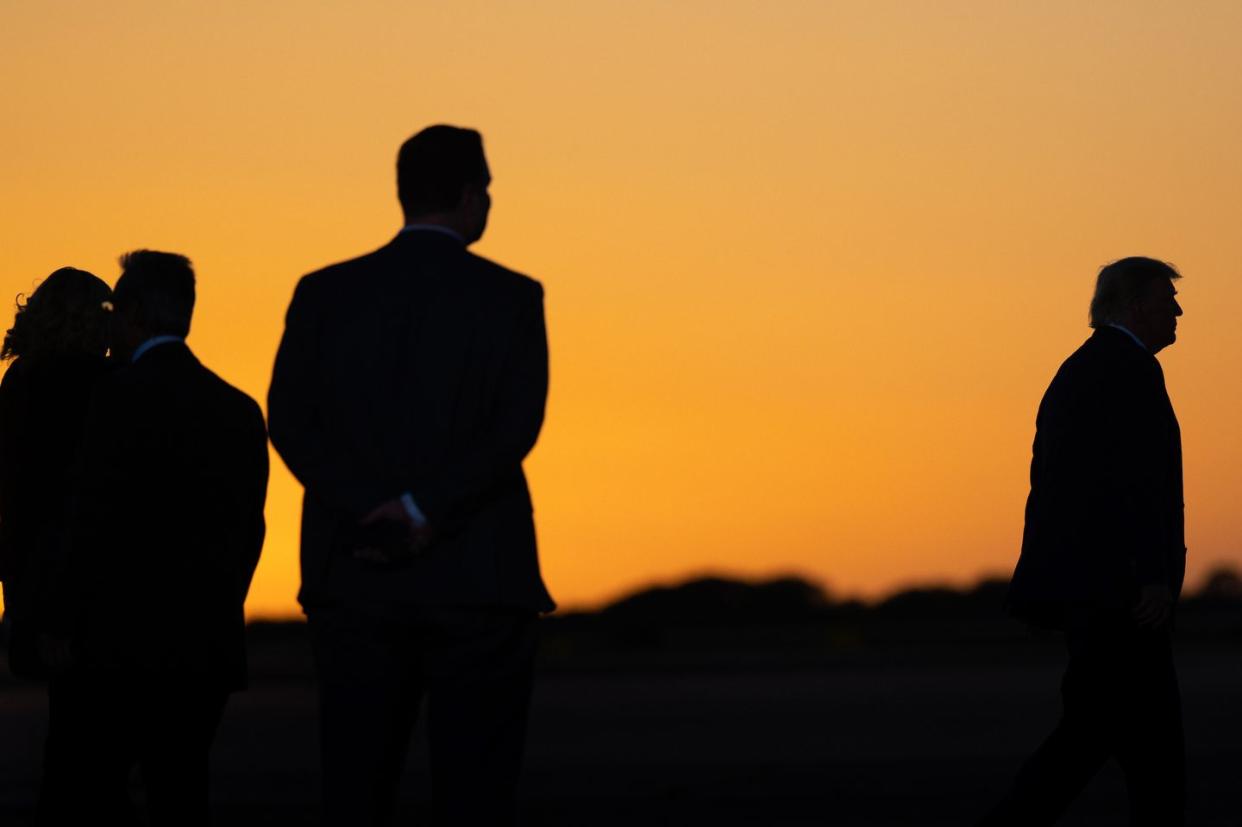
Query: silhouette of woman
58, 342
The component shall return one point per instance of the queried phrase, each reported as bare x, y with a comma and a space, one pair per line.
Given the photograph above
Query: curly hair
67, 313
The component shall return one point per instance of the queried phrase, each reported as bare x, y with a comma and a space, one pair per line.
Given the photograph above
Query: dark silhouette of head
442, 179
66, 315
153, 297
1138, 294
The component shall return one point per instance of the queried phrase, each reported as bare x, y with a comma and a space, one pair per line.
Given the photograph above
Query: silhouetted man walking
409, 386
166, 529
1103, 557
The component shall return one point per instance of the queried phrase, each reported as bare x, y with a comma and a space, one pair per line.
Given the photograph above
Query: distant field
902, 738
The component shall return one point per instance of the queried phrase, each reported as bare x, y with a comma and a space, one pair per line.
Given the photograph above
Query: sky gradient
809, 266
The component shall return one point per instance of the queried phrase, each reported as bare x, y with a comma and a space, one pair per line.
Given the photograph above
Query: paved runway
889, 741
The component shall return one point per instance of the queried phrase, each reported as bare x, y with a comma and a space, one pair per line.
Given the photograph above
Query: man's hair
434, 166
1123, 281
160, 287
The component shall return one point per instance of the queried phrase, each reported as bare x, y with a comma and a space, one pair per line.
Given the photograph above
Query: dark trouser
474, 665
1120, 700
101, 726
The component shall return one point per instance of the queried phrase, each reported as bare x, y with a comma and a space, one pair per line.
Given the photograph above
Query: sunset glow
808, 266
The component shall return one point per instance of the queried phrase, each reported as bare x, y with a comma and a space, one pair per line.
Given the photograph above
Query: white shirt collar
433, 228
150, 343
1127, 331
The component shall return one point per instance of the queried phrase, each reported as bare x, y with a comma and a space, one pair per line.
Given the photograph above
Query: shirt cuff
411, 508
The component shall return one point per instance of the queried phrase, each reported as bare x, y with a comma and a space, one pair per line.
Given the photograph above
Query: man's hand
418, 535
56, 653
1154, 607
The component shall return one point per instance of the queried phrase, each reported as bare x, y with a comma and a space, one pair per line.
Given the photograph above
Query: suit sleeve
1121, 479
1143, 477
494, 456
253, 498
296, 420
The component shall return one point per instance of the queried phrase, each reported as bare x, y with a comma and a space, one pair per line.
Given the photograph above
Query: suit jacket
167, 522
418, 368
1105, 512
42, 408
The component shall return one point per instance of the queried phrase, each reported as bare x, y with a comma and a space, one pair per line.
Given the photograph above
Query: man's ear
468, 191
130, 314
128, 319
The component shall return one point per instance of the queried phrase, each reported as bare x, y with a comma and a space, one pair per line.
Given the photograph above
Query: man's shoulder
1107, 352
1107, 373
501, 278
176, 373
231, 398
343, 273
348, 282
223, 403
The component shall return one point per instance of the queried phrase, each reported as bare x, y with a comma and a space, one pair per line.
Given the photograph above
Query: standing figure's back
409, 386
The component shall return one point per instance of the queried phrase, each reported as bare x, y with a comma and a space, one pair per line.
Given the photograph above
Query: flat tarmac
889, 741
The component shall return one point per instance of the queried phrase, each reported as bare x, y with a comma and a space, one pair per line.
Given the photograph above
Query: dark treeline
790, 622
718, 622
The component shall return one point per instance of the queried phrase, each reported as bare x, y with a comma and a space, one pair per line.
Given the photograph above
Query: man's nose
1177, 309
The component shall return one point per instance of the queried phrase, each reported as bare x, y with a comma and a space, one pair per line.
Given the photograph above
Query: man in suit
408, 388
1103, 556
166, 529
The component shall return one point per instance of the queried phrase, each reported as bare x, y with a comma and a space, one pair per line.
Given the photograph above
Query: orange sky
809, 266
